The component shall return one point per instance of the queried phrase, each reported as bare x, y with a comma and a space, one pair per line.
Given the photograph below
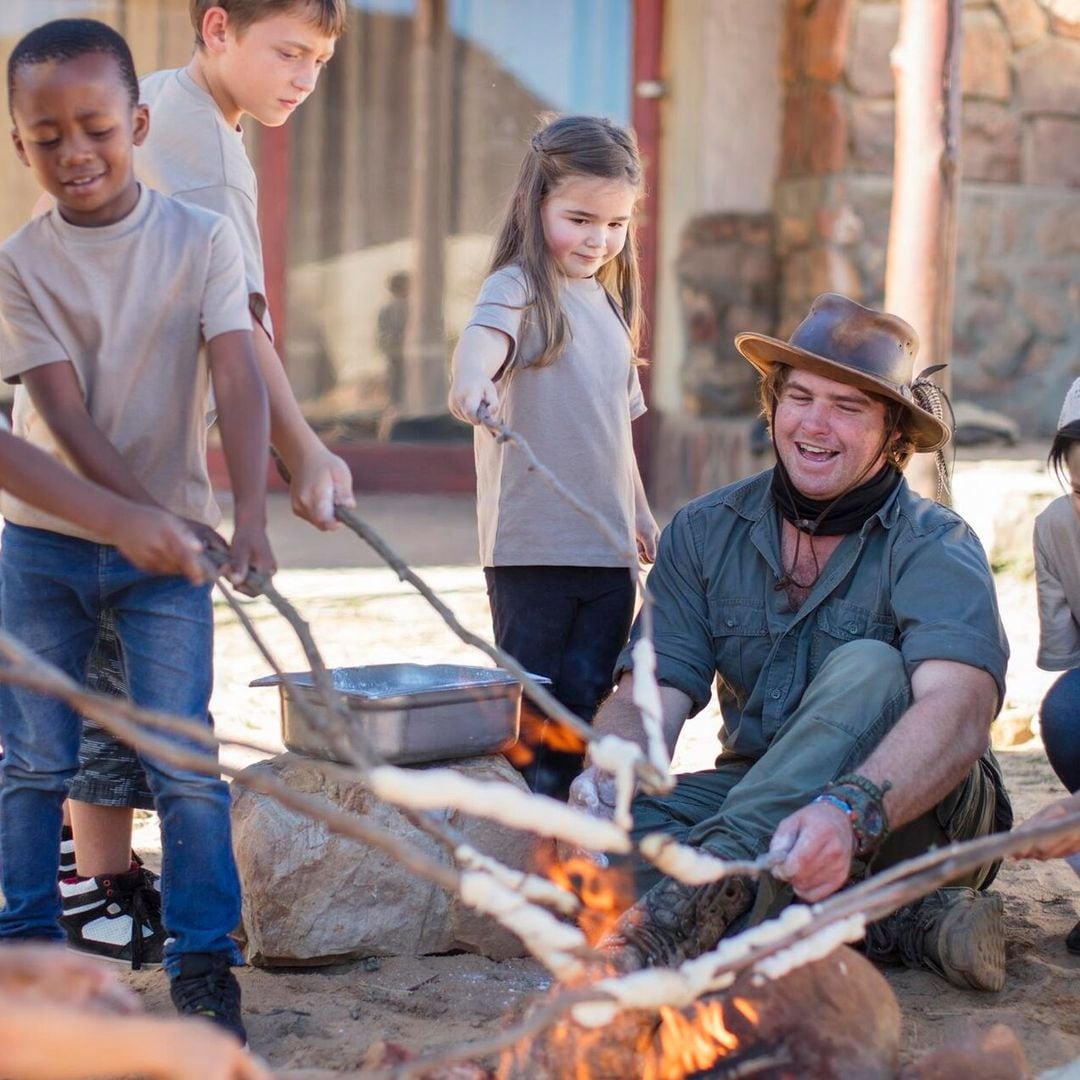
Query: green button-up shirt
914, 576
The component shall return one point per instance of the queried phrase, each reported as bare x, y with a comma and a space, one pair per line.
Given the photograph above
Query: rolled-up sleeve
1059, 633
944, 602
681, 635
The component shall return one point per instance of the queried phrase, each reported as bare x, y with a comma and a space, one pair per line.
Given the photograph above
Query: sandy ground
321, 1021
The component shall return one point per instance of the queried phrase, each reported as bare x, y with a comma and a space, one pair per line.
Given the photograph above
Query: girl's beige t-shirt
1057, 581
130, 305
575, 413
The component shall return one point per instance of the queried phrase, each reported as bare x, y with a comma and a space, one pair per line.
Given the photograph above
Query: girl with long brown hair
551, 350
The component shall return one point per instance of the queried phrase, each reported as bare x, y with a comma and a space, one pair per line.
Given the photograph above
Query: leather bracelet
869, 821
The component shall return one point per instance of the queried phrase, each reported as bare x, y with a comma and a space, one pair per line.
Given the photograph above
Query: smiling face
829, 436
269, 68
76, 129
585, 221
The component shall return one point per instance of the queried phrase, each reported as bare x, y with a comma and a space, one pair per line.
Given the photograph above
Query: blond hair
567, 147
330, 16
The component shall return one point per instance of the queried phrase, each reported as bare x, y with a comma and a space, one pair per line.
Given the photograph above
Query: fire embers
834, 1018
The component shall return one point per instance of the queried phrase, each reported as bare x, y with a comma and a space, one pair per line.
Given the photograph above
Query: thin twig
651, 779
28, 671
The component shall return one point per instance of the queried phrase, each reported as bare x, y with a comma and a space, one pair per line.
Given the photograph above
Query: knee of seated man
866, 661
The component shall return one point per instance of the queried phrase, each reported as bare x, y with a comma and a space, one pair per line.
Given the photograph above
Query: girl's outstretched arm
480, 353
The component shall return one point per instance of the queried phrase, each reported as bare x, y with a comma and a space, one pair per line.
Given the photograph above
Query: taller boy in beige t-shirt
261, 58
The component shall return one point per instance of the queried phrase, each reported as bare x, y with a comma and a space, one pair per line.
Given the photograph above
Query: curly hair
68, 39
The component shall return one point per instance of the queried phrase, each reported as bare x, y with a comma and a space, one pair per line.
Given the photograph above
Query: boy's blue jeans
52, 591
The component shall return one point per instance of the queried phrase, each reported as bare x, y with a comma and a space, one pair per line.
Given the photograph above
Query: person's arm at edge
243, 417
319, 479
926, 754
152, 539
116, 1046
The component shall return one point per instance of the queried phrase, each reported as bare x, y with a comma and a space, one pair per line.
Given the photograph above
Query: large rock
985, 57
313, 897
872, 39
1025, 19
1052, 151
990, 144
1050, 77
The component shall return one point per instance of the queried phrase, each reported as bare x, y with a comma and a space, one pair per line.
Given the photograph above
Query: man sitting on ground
853, 631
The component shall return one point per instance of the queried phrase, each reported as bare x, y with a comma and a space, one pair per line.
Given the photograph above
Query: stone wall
1016, 331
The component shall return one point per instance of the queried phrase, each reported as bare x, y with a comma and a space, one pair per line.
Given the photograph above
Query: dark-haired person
852, 628
257, 59
1057, 579
119, 308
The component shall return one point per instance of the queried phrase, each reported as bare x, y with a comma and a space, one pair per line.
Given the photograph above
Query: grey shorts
110, 773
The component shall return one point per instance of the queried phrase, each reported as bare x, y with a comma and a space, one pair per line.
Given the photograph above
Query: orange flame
605, 893
689, 1044
536, 730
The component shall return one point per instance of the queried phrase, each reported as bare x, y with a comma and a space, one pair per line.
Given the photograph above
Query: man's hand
1061, 846
817, 843
160, 543
320, 482
592, 792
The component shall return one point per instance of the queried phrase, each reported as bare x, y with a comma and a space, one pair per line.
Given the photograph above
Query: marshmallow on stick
552, 942
436, 789
536, 889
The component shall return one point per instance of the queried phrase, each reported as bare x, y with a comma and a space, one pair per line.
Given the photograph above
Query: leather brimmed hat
854, 345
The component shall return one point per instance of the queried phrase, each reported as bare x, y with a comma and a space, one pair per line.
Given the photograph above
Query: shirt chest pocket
741, 643
841, 621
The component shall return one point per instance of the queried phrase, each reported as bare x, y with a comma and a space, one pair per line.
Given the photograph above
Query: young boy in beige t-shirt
118, 308
260, 58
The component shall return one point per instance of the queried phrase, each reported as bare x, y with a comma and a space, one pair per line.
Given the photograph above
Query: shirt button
775, 695
729, 622
853, 627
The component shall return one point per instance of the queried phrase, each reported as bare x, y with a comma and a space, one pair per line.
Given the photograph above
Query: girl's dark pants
568, 623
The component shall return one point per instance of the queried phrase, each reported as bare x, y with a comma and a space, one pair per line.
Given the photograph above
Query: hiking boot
205, 986
956, 933
101, 915
674, 922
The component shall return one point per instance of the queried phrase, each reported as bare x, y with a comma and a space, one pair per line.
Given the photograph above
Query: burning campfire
835, 1017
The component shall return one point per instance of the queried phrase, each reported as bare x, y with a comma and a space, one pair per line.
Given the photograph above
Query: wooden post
425, 339
648, 94
921, 260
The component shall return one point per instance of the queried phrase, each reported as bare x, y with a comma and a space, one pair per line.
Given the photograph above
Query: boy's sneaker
101, 914
205, 986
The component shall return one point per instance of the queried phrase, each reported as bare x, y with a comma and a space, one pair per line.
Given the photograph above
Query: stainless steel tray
409, 713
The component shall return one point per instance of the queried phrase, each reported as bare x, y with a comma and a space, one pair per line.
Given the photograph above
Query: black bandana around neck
833, 517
